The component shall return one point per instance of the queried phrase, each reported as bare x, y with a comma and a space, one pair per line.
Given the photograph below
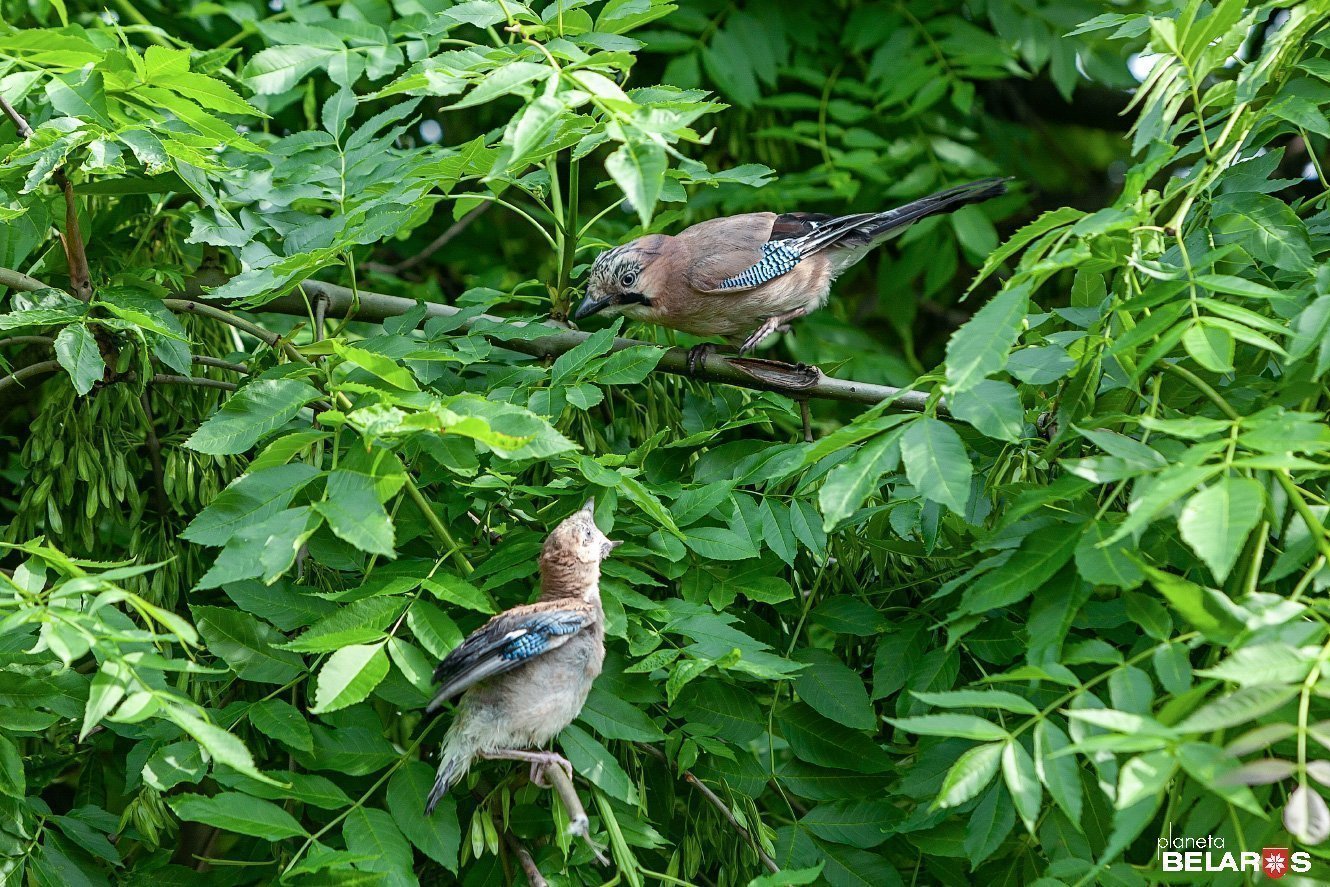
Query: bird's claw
537, 774
698, 354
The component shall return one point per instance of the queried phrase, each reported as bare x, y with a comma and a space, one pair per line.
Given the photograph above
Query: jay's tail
454, 760
879, 225
848, 238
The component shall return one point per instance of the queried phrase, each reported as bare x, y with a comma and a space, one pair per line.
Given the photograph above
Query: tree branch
719, 804
22, 374
44, 341
19, 281
433, 246
154, 455
80, 278
744, 372
578, 823
271, 339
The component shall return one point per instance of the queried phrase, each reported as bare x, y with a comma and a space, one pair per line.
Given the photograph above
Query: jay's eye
629, 279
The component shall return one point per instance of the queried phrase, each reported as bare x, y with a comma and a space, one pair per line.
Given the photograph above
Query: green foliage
1072, 606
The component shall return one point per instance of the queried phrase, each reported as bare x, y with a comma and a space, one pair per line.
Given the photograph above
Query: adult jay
524, 675
744, 276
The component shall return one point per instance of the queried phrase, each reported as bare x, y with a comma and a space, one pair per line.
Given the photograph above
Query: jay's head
578, 538
622, 280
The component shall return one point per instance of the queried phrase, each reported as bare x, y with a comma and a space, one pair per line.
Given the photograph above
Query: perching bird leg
698, 354
769, 326
539, 761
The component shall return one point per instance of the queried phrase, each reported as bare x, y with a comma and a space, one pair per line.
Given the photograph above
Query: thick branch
80, 278
43, 341
22, 374
17, 280
799, 382
197, 381
762, 375
578, 824
154, 455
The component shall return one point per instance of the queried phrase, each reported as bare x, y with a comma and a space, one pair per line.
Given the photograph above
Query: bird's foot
549, 759
698, 354
768, 327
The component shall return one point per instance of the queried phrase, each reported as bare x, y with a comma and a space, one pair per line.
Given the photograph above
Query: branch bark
22, 374
743, 372
80, 277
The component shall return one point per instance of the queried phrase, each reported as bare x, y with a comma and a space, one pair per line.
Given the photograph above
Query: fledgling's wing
505, 642
719, 250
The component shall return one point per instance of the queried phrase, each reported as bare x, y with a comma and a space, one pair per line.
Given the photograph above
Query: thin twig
433, 246
197, 381
720, 806
154, 456
80, 277
271, 339
22, 374
216, 363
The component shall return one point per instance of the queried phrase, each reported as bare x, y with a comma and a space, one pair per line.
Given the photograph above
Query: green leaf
719, 544
355, 515
1208, 611
356, 623
949, 724
858, 823
438, 836
1049, 221
969, 775
989, 825
223, 747
831, 689
1209, 346
235, 812
1239, 707
936, 462
628, 366
505, 79
1216, 521
850, 483
980, 346
1265, 226
257, 409
249, 499
12, 781
613, 718
532, 127
455, 590
348, 676
638, 168
817, 740
373, 834
1058, 771
247, 645
76, 349
279, 68
1041, 554
593, 762
282, 721
1022, 782
383, 368
992, 407
999, 699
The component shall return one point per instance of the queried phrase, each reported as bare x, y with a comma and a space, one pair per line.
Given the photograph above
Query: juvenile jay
743, 277
525, 674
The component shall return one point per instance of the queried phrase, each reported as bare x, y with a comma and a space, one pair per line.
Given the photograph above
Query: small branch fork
720, 805
80, 278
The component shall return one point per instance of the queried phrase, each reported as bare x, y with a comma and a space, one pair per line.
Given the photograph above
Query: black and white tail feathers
808, 233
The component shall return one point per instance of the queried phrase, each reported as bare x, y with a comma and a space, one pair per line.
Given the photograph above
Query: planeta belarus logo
1274, 861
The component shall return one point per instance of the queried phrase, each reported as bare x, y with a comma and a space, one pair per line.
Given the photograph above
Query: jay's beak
590, 306
610, 545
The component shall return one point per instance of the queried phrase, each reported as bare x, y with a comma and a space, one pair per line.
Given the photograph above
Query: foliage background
1017, 638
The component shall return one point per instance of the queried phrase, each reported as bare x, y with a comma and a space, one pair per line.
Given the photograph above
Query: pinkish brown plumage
742, 277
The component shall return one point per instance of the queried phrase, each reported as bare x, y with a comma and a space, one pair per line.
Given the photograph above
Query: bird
525, 674
743, 277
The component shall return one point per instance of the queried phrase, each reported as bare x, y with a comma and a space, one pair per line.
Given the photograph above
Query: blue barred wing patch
777, 258
536, 634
